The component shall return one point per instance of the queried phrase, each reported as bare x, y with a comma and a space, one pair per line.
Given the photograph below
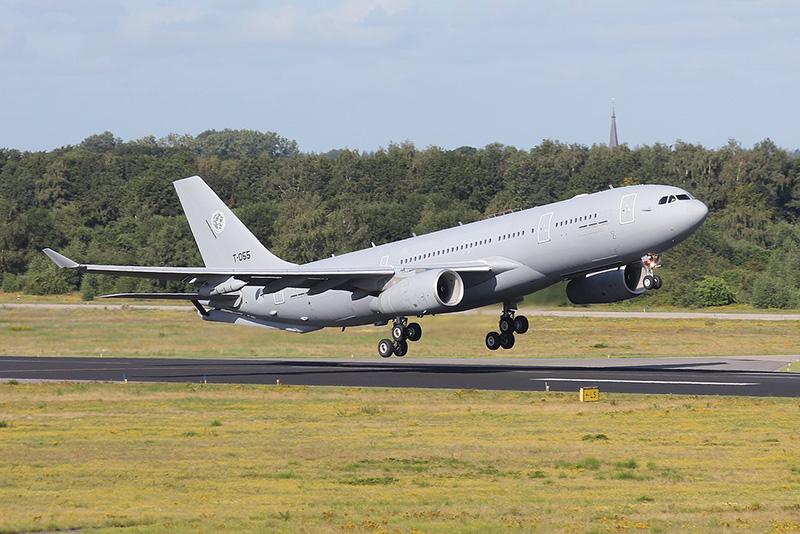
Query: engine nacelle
427, 292
607, 286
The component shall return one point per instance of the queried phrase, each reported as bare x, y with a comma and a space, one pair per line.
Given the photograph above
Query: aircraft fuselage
540, 246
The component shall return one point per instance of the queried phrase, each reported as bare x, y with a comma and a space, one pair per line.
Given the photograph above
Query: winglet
60, 260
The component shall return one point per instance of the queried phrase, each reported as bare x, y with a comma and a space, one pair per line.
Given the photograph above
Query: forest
106, 200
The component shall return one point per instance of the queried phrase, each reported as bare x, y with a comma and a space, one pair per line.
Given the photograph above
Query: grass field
95, 332
160, 457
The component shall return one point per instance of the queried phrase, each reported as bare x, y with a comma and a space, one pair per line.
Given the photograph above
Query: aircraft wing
489, 265
187, 273
317, 279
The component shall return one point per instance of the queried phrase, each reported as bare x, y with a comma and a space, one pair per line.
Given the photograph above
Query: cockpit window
669, 199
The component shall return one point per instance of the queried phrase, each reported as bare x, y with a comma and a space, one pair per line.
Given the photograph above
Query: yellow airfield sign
590, 394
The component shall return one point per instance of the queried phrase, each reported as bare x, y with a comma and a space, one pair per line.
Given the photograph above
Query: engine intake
607, 286
426, 292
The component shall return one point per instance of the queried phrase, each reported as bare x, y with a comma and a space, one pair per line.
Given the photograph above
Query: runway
697, 376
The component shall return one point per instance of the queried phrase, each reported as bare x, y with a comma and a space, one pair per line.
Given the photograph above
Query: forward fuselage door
626, 206
544, 227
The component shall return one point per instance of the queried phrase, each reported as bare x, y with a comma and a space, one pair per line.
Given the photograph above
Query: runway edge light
590, 394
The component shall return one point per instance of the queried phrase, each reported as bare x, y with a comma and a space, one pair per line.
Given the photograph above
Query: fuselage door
626, 205
544, 227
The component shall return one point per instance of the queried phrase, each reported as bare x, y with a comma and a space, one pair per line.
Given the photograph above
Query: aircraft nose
697, 213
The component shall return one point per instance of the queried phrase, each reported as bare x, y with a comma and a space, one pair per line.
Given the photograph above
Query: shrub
770, 291
713, 291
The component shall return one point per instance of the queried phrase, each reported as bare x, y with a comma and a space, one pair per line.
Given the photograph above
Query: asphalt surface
699, 377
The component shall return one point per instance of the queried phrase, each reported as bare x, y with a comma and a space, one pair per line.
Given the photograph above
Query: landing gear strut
509, 325
402, 333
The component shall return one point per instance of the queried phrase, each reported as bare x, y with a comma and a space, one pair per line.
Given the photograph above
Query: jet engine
427, 292
607, 286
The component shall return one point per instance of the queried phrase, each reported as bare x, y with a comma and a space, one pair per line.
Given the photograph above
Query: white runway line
671, 382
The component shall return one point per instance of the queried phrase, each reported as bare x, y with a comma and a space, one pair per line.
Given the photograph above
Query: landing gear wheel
658, 282
385, 348
413, 332
648, 282
520, 324
492, 341
400, 348
506, 324
507, 340
399, 332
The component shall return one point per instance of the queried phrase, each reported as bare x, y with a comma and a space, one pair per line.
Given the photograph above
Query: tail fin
221, 237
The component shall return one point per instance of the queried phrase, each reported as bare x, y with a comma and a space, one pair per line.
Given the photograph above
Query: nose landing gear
509, 325
650, 280
402, 333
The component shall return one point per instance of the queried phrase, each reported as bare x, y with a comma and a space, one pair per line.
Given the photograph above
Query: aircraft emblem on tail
218, 221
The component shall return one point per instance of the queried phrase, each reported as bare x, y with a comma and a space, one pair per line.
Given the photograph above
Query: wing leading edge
249, 275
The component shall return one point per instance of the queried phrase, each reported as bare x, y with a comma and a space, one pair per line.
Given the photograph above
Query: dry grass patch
159, 457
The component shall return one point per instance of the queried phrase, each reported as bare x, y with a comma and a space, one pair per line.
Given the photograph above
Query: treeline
109, 201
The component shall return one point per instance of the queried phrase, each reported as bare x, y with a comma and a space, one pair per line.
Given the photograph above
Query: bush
770, 291
713, 291
44, 278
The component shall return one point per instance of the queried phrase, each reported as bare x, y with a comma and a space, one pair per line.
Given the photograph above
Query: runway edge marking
623, 381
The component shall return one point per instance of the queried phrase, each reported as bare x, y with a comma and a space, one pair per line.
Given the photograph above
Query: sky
363, 74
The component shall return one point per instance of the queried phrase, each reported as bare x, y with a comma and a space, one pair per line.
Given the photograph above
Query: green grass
99, 332
147, 457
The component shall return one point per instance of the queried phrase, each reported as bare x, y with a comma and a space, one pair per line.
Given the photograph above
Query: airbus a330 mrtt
606, 245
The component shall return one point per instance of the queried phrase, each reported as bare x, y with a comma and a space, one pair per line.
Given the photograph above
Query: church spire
612, 141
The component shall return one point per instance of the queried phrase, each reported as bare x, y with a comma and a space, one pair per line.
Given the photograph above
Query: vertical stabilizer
221, 237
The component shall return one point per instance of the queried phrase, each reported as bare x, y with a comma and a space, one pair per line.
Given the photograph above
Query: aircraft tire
492, 341
414, 332
385, 348
399, 332
648, 282
507, 340
657, 282
520, 324
400, 348
506, 324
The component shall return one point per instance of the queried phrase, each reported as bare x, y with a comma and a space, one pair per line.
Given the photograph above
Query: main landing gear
508, 326
402, 333
650, 280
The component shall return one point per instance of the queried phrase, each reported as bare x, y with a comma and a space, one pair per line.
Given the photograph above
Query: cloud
351, 22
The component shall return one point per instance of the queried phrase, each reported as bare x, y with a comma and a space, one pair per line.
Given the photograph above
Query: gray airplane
607, 245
